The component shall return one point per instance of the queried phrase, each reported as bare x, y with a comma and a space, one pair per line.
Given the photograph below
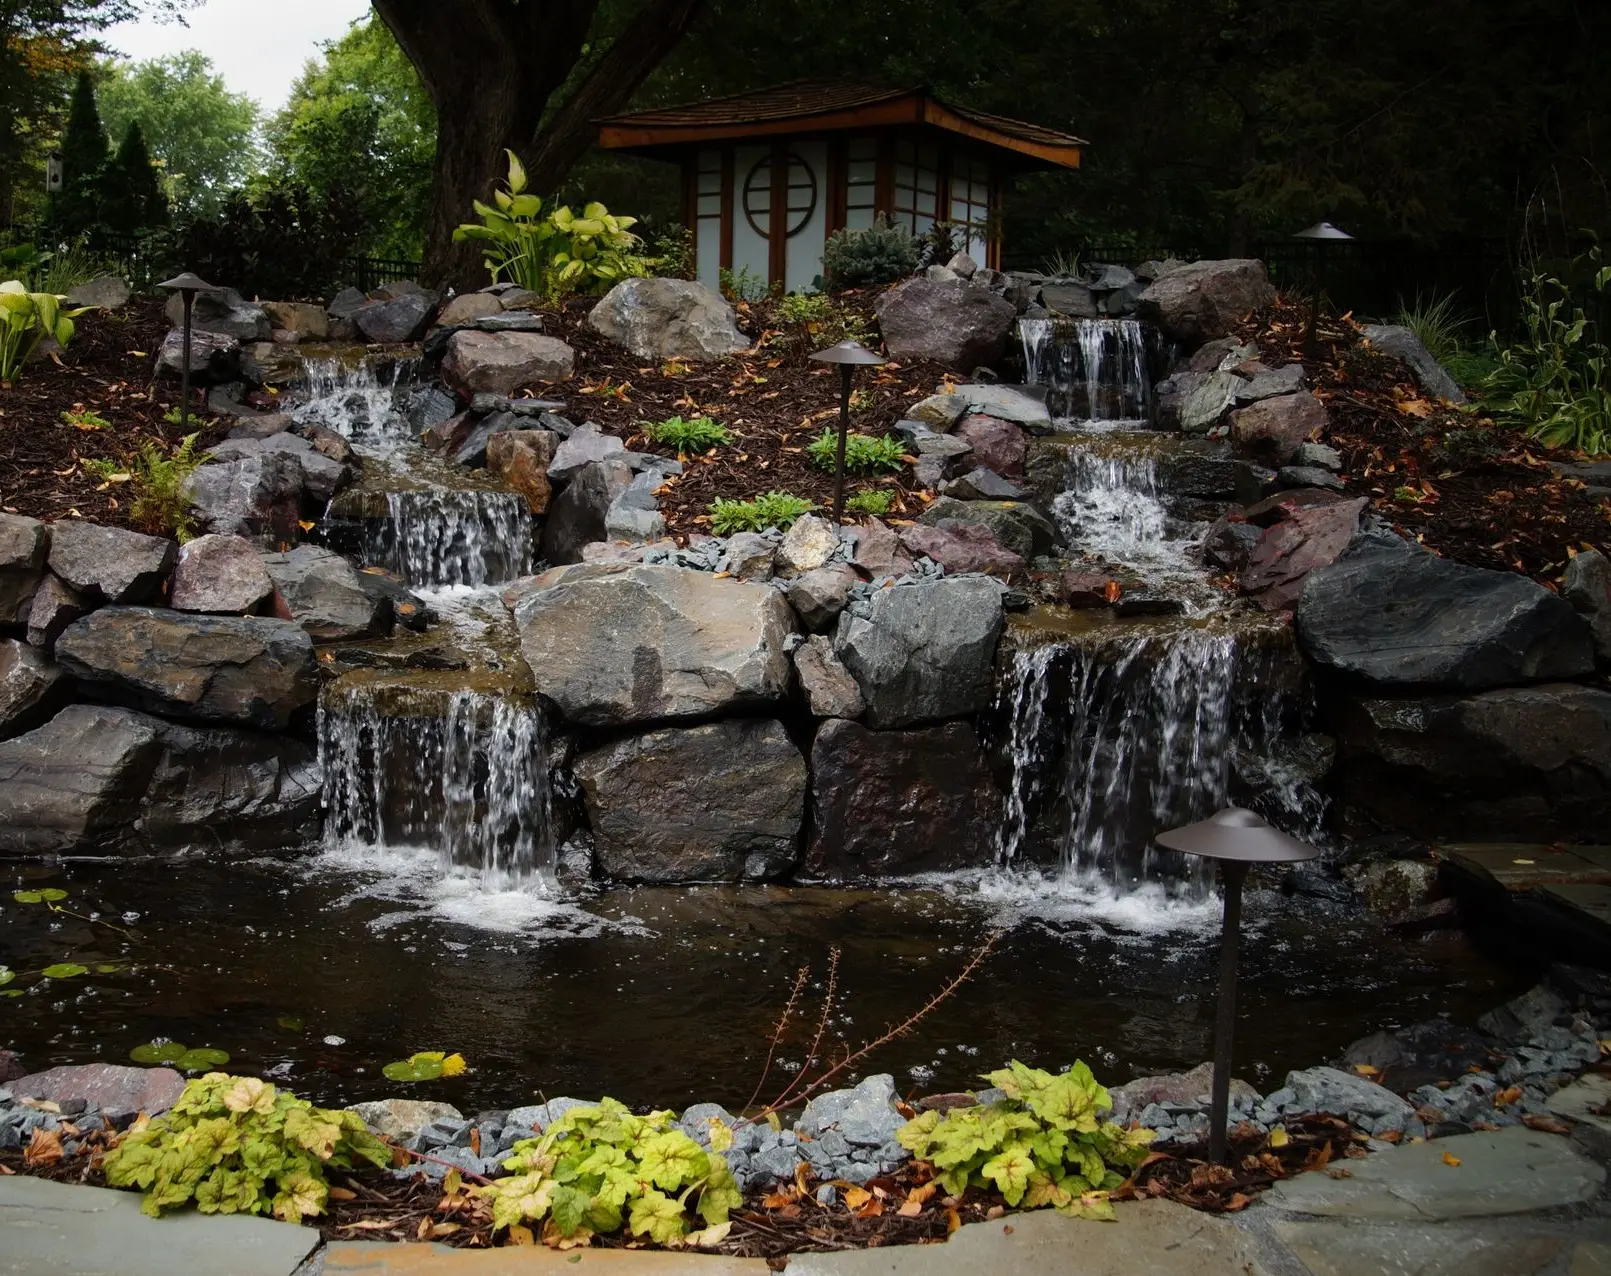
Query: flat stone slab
1158, 1238
57, 1229
1518, 866
1591, 900
1351, 1248
349, 1257
1507, 1171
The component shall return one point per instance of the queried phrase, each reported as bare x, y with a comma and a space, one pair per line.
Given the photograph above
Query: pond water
318, 972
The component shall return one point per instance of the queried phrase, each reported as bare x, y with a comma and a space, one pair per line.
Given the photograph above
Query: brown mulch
105, 369
773, 399
1463, 486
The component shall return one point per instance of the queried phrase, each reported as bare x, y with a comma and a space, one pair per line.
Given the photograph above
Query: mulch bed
106, 369
1463, 486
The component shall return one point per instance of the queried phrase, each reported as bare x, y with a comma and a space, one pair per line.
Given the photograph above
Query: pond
317, 972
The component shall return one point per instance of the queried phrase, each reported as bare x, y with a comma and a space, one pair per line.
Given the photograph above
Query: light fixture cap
1237, 834
1322, 230
188, 282
848, 351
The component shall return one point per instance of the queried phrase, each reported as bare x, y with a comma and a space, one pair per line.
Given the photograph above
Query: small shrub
671, 255
85, 419
26, 319
939, 243
697, 435
742, 285
237, 1145
70, 265
157, 479
599, 1169
863, 453
880, 254
875, 501
1062, 264
772, 509
1437, 323
813, 321
1044, 1144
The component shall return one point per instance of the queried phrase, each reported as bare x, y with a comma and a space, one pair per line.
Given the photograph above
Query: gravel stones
658, 319
864, 1117
219, 573
720, 802
108, 563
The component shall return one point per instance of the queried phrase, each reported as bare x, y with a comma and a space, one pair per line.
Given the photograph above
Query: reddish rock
117, 1089
997, 445
521, 458
1271, 429
879, 551
962, 547
1084, 589
1283, 505
1311, 537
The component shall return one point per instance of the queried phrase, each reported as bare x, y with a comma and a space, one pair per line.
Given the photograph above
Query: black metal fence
369, 273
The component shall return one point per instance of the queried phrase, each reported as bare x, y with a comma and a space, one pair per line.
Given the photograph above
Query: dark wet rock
1254, 483
55, 606
109, 563
1587, 586
982, 485
24, 546
1397, 616
219, 573
878, 551
612, 644
429, 406
1530, 1015
819, 595
1523, 764
503, 362
1271, 509
1205, 475
961, 547
923, 651
659, 319
586, 444
1317, 456
1272, 429
1068, 297
254, 496
829, 689
1270, 383
1193, 402
580, 514
1316, 881
997, 445
1393, 888
897, 802
521, 459
1143, 602
1229, 544
325, 594
76, 782
394, 320
951, 321
720, 802
1018, 526
249, 669
1308, 476
1082, 589
1284, 555
222, 310
469, 444
1403, 345
30, 687
116, 1089
1203, 301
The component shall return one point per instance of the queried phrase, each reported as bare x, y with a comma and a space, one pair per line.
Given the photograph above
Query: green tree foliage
133, 198
201, 134
359, 120
84, 154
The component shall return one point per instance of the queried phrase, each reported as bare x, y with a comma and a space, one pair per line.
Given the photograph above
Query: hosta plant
1046, 1143
863, 453
26, 319
599, 1169
770, 509
238, 1145
698, 434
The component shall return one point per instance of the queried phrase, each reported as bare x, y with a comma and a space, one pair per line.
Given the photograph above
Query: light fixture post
849, 355
187, 286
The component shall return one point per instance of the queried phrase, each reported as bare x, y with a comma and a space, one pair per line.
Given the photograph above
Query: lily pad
292, 1023
64, 970
154, 1052
6, 975
413, 1070
47, 896
202, 1059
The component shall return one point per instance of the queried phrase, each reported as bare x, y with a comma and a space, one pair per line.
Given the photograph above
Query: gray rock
109, 563
1270, 383
30, 687
1587, 586
510, 321
1204, 475
219, 573
55, 606
24, 546
939, 411
580, 515
953, 322
879, 551
585, 446
1174, 1088
1193, 402
1339, 1093
222, 311
537, 1117
324, 594
634, 515
1403, 345
720, 802
1317, 455
899, 802
321, 477
345, 304
808, 544
1018, 526
1023, 405
254, 496
1308, 476
1273, 429
659, 319
466, 308
1394, 615
1068, 297
107, 292
429, 406
117, 1090
749, 556
829, 689
249, 669
503, 362
819, 595
696, 1121
1204, 300
612, 644
214, 356
1530, 1015
396, 319
1229, 545
864, 1117
1394, 888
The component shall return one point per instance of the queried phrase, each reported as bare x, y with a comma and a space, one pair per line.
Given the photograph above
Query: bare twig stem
822, 1027
800, 977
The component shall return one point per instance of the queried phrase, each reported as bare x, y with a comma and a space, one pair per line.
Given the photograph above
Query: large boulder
258, 495
521, 459
1402, 344
1018, 526
924, 650
997, 445
326, 595
949, 321
1394, 615
613, 643
1203, 301
30, 686
1527, 764
1311, 537
961, 547
297, 320
895, 802
668, 319
24, 547
464, 310
1271, 430
1193, 402
109, 563
503, 362
221, 574
255, 670
391, 320
721, 802
1587, 586
119, 1091
215, 357
222, 310
98, 779
580, 515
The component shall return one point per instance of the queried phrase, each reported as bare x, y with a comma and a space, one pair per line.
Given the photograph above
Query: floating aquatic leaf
292, 1023
202, 1059
64, 970
48, 895
154, 1052
415, 1069
6, 975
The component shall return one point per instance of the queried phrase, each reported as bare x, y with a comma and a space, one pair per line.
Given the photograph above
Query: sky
258, 47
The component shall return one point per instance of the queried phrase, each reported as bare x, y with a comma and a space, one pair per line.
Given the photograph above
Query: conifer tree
132, 194
84, 159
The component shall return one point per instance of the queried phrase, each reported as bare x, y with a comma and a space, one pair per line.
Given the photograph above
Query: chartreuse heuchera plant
1044, 1144
599, 1169
238, 1145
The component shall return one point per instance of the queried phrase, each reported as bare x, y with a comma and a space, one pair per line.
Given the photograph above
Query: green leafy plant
554, 253
863, 453
238, 1145
699, 434
599, 1169
181, 1056
879, 254
428, 1065
160, 504
771, 509
1044, 1144
812, 320
875, 501
1062, 264
741, 285
671, 254
26, 319
84, 419
67, 267
1437, 322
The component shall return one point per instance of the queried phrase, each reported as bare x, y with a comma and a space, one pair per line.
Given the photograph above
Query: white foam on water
1015, 896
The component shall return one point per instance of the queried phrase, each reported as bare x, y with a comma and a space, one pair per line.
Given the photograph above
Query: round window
801, 201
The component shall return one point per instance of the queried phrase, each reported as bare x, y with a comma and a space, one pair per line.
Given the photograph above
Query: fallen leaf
1449, 1158
1507, 1096
445, 1229
1279, 1137
856, 1197
953, 1220
369, 1224
1546, 1124
44, 1147
519, 1235
343, 1194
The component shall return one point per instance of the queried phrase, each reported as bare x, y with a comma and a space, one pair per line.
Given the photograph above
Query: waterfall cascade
1096, 371
442, 536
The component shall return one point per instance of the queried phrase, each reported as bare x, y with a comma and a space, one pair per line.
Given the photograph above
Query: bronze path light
1236, 838
1317, 237
849, 355
187, 286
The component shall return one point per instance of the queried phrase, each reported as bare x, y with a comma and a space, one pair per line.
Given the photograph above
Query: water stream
1096, 370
